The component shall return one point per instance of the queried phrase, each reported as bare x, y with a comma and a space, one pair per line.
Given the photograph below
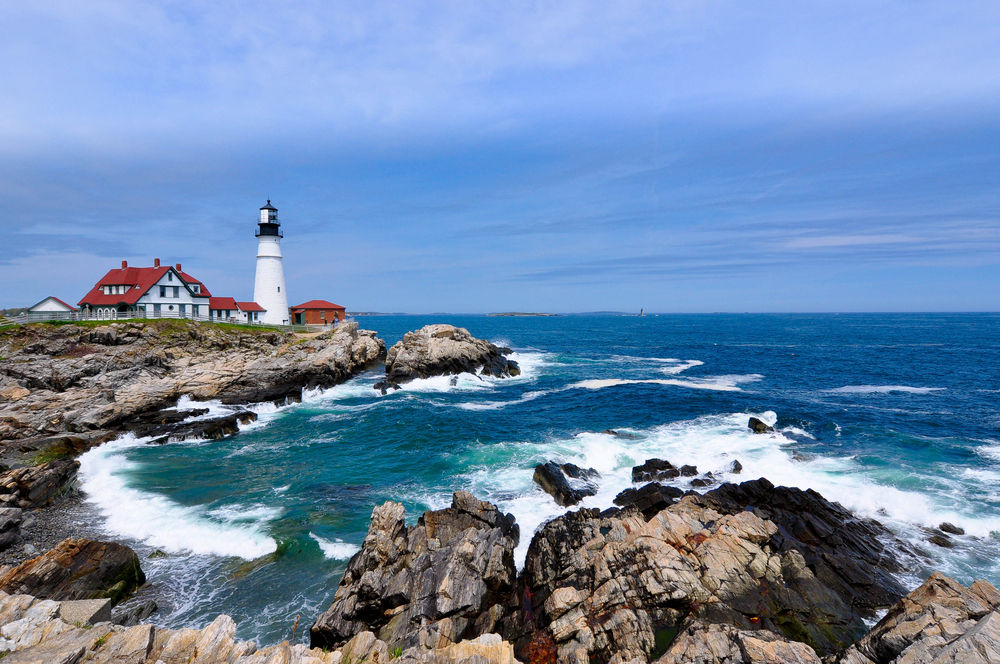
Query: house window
177, 291
322, 315
171, 307
163, 291
182, 308
156, 309
197, 288
170, 276
194, 309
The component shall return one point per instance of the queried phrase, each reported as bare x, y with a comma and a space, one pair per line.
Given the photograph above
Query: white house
165, 290
52, 304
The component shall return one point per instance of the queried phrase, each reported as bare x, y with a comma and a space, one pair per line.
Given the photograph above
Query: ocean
897, 417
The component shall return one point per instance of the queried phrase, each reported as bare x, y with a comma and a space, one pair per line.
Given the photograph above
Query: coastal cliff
73, 386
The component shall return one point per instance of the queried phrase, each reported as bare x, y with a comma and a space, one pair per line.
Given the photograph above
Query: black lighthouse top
268, 224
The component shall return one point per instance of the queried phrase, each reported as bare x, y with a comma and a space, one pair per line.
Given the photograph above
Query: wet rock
135, 614
941, 540
441, 350
211, 429
431, 584
701, 482
649, 499
759, 427
688, 471
701, 643
654, 470
735, 467
951, 528
567, 483
78, 569
605, 586
940, 622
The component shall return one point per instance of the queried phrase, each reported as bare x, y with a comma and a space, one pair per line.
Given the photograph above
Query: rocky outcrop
441, 350
74, 379
34, 487
78, 569
428, 585
757, 426
654, 470
34, 631
704, 643
941, 622
650, 499
611, 585
567, 483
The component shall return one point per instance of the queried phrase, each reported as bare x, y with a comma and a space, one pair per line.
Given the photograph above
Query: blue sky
476, 157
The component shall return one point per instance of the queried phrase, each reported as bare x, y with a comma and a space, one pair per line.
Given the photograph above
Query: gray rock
567, 483
759, 427
441, 350
431, 584
85, 611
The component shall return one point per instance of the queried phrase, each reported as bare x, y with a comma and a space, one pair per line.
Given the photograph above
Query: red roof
143, 277
250, 306
222, 303
316, 304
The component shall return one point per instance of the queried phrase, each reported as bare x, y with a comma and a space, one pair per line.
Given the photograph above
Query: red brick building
318, 312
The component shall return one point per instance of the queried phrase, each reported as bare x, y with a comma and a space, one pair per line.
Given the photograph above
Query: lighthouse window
279, 289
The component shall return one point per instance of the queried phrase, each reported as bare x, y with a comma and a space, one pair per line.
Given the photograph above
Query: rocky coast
735, 573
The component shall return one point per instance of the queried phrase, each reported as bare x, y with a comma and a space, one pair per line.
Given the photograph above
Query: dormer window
197, 288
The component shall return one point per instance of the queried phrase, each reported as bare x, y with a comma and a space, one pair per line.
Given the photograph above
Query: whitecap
158, 521
883, 389
337, 549
601, 383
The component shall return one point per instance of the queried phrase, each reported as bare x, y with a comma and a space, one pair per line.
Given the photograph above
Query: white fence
112, 315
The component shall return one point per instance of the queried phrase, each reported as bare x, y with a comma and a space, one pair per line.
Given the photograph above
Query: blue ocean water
895, 416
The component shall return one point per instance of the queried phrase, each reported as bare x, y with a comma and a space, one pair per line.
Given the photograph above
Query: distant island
521, 313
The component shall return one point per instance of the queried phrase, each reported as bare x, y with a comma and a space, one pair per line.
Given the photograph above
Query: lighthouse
269, 285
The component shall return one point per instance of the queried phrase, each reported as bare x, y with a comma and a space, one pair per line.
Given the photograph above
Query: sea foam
162, 523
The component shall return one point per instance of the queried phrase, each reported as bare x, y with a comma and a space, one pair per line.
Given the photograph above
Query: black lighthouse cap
268, 206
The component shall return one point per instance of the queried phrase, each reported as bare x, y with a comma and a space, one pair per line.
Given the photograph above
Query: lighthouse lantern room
269, 285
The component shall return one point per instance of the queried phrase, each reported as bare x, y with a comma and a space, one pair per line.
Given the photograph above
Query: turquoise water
895, 416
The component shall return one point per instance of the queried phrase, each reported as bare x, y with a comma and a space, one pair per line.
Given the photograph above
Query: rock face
567, 483
30, 488
78, 569
759, 427
36, 631
95, 381
441, 350
941, 622
431, 584
609, 585
654, 470
650, 499
701, 643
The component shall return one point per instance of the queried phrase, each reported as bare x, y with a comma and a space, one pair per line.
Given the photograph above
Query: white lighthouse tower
269, 285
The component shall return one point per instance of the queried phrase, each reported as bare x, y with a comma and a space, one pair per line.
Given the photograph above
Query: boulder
441, 350
431, 584
11, 519
38, 486
608, 586
650, 500
654, 470
78, 569
567, 483
941, 622
85, 611
759, 427
701, 643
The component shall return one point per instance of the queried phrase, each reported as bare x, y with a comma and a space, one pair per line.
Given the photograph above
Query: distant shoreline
519, 313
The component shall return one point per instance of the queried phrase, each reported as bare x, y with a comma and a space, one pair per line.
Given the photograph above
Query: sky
676, 156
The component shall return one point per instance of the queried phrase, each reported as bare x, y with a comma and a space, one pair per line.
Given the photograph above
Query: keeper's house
160, 291
318, 312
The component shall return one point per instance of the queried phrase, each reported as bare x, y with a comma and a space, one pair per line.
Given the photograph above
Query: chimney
156, 262
178, 267
124, 264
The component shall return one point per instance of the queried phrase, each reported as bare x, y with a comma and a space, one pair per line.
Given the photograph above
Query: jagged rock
78, 569
735, 467
703, 643
951, 529
133, 615
649, 499
211, 429
759, 427
441, 350
567, 483
688, 471
603, 585
11, 519
80, 382
38, 486
654, 470
486, 649
941, 622
431, 584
